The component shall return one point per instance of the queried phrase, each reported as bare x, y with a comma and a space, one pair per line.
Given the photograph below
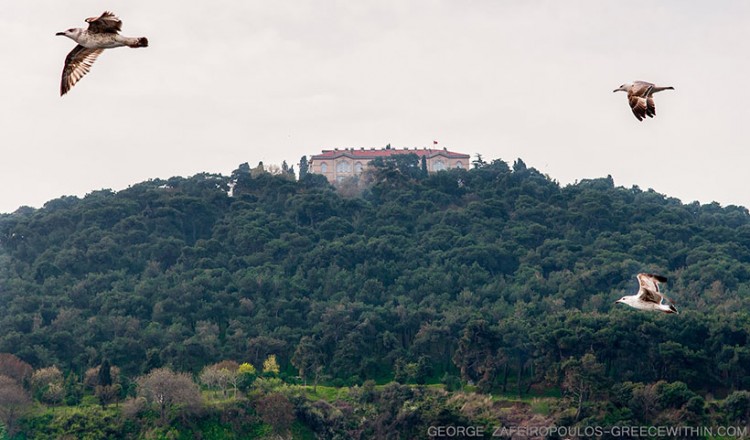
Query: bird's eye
70, 30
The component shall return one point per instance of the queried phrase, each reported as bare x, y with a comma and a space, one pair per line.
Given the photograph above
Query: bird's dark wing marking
77, 64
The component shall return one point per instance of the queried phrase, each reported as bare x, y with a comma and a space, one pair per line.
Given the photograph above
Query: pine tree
478, 162
73, 390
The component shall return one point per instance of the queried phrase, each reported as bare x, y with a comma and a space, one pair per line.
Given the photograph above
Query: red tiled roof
372, 153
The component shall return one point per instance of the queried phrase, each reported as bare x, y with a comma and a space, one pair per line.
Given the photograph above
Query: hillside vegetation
495, 277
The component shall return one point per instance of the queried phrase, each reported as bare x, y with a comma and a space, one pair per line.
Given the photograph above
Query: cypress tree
105, 373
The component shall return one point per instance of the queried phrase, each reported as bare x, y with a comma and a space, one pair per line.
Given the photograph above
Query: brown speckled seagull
640, 97
101, 34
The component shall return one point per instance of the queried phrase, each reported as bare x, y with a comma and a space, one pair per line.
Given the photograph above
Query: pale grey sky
225, 82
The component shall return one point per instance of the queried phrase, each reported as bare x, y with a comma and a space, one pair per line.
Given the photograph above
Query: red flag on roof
434, 142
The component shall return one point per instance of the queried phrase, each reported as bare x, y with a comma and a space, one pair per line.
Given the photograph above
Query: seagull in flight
641, 97
102, 33
648, 296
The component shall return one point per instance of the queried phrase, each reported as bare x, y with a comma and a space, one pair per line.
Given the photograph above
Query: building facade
338, 164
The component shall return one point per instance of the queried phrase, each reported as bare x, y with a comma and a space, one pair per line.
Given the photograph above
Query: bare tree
220, 375
645, 401
47, 384
170, 392
229, 365
15, 368
14, 401
108, 393
234, 373
133, 407
582, 379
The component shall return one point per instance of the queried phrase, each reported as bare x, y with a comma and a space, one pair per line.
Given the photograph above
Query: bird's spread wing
650, 107
639, 106
650, 281
107, 23
649, 296
77, 64
649, 287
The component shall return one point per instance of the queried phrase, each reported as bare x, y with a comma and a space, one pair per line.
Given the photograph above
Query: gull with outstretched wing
102, 33
649, 297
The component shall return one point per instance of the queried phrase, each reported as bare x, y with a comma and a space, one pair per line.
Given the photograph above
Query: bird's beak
60, 33
618, 299
615, 90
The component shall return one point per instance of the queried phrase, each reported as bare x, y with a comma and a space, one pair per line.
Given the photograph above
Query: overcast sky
225, 82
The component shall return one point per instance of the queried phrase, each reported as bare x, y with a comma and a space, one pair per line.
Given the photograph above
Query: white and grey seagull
641, 97
101, 34
648, 296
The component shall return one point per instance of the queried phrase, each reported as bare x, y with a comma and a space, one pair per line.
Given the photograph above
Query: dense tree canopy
496, 275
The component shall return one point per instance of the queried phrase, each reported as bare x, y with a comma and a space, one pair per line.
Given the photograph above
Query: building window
459, 164
343, 167
323, 167
439, 165
358, 168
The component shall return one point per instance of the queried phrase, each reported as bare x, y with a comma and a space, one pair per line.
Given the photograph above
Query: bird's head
72, 33
622, 88
624, 299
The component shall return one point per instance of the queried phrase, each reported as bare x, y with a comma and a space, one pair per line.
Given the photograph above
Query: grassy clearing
329, 394
541, 406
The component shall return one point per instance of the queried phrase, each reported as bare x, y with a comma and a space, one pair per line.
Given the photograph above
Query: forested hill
495, 275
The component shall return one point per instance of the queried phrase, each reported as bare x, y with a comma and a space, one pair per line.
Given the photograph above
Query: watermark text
472, 431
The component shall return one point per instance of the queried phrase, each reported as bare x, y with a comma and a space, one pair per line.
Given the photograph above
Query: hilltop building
338, 164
